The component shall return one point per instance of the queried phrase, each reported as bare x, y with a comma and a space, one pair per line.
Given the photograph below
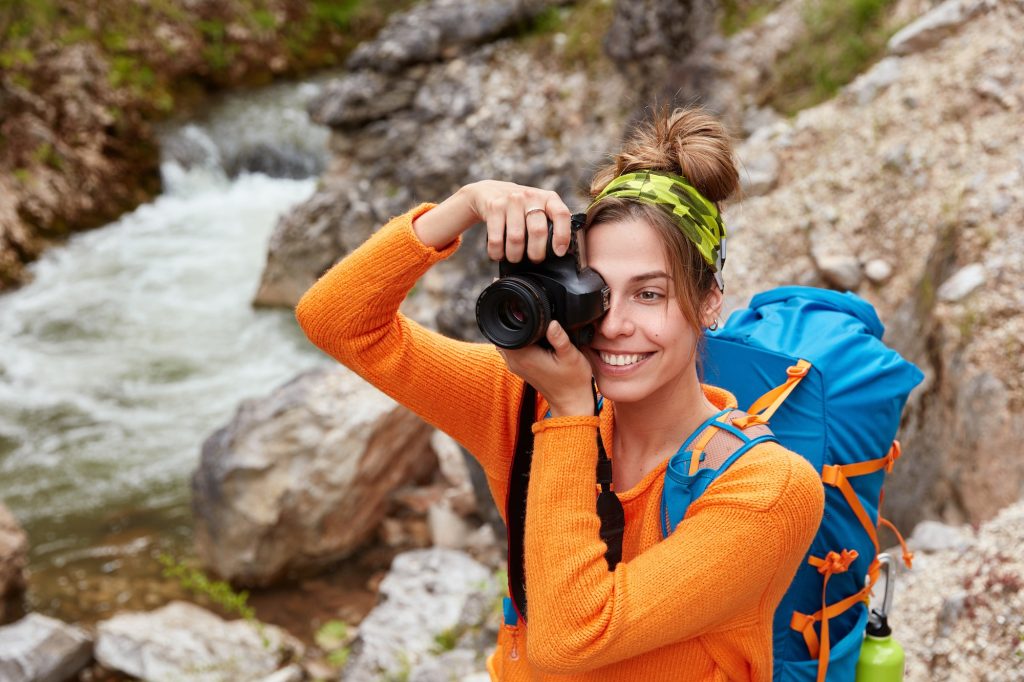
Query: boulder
301, 478
38, 648
13, 559
428, 597
439, 28
182, 641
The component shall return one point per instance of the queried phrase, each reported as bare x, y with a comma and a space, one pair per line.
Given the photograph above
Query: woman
696, 605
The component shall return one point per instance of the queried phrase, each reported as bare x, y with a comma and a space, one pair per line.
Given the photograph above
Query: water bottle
881, 657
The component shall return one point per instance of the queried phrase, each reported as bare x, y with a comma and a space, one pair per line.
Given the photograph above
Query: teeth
621, 360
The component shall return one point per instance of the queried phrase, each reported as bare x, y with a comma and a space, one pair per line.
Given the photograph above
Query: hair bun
687, 142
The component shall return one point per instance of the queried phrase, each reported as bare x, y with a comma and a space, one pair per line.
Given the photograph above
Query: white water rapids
135, 341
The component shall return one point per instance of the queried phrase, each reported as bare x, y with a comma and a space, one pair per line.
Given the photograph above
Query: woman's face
644, 346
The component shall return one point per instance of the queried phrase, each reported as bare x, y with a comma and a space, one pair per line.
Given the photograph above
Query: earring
714, 326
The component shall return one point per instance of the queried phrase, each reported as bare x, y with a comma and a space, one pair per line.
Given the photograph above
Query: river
135, 341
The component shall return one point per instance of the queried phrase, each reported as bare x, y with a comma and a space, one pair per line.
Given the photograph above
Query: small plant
218, 591
446, 640
334, 637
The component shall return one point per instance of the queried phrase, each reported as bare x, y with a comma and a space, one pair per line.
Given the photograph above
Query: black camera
515, 310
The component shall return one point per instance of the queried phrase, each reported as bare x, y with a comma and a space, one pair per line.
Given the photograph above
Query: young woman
696, 605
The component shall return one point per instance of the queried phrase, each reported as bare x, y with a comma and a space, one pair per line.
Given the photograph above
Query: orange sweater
697, 605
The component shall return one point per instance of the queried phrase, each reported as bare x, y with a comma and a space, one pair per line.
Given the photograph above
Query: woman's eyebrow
654, 274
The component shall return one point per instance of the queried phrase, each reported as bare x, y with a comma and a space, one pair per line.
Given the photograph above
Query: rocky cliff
905, 188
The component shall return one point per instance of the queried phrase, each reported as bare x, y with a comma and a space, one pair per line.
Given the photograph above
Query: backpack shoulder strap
515, 501
705, 456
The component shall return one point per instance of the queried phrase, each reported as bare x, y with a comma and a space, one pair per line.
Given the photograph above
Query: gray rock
362, 97
934, 536
38, 648
427, 593
951, 612
301, 478
869, 85
759, 171
182, 641
962, 283
932, 27
456, 664
439, 28
327, 227
840, 272
1001, 204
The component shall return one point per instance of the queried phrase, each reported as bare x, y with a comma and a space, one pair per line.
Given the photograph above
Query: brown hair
687, 142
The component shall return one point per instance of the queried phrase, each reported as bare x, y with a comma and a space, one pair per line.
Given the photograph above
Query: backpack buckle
798, 370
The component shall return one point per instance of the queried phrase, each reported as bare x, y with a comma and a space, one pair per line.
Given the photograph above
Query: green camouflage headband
698, 218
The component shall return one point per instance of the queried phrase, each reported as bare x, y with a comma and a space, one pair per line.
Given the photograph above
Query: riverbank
82, 84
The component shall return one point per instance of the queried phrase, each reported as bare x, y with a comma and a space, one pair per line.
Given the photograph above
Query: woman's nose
615, 321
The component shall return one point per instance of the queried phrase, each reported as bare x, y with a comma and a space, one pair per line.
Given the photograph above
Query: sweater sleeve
352, 313
745, 533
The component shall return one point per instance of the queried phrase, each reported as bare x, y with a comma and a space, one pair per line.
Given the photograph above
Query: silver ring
533, 210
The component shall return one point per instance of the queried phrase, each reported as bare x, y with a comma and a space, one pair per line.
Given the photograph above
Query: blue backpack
813, 361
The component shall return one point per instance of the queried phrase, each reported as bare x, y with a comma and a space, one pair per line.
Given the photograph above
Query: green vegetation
333, 637
841, 39
159, 52
574, 34
217, 591
740, 14
447, 640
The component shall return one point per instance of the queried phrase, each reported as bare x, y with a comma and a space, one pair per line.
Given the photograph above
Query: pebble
840, 272
878, 270
963, 283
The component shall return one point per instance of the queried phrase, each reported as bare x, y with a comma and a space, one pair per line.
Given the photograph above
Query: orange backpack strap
764, 407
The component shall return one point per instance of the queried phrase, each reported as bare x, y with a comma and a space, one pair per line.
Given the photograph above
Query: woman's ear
712, 307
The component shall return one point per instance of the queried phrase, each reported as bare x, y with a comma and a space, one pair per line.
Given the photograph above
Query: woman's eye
650, 295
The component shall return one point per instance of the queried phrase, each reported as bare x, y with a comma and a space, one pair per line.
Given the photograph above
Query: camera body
516, 309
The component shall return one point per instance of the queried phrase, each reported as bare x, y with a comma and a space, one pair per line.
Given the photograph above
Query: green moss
740, 14
16, 57
340, 14
47, 154
841, 38
446, 640
263, 19
578, 31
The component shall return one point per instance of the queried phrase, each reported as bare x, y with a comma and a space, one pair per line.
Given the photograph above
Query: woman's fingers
559, 340
517, 221
537, 231
560, 215
515, 228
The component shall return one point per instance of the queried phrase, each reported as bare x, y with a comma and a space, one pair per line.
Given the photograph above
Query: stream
137, 340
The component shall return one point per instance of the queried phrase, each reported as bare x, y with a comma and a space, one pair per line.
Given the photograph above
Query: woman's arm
352, 314
742, 541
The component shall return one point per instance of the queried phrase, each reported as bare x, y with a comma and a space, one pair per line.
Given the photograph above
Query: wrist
579, 407
446, 222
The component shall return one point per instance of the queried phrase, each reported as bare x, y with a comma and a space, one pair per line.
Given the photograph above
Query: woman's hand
516, 217
562, 375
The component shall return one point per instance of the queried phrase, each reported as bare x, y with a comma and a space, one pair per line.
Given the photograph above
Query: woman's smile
618, 363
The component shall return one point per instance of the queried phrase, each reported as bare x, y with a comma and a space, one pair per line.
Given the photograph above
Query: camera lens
513, 312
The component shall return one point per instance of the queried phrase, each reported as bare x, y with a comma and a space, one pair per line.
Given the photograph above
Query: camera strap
609, 508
